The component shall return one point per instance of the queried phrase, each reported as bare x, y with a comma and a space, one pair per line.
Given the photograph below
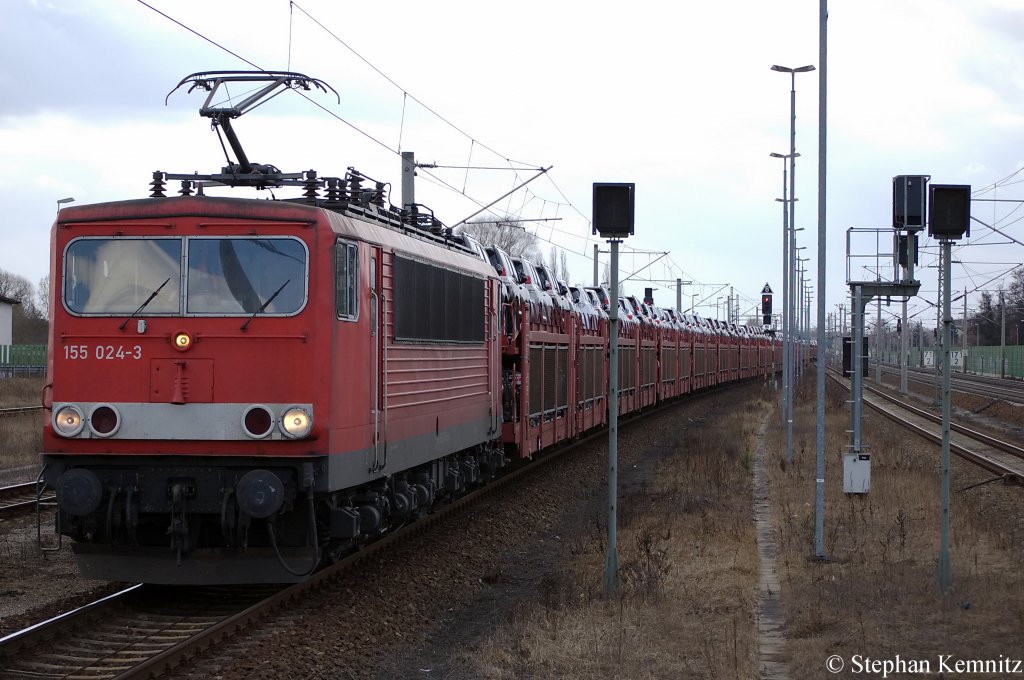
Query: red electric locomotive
241, 387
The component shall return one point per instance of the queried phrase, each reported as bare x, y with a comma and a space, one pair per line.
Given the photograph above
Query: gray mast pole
878, 343
611, 567
792, 262
857, 322
597, 281
785, 304
819, 481
945, 568
939, 340
904, 347
1002, 335
963, 359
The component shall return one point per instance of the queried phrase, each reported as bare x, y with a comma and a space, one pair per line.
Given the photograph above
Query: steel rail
980, 385
1002, 445
18, 410
19, 498
1001, 458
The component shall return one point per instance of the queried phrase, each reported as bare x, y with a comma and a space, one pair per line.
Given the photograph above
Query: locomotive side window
245, 275
346, 257
117, 275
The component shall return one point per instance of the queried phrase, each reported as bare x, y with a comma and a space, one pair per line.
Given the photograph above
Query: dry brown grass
20, 391
21, 437
877, 595
688, 566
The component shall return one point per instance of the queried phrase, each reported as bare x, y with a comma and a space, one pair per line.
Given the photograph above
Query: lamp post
62, 201
808, 296
797, 291
786, 366
792, 222
809, 293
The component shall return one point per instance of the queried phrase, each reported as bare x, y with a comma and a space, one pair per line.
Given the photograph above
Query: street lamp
798, 308
792, 222
786, 365
62, 201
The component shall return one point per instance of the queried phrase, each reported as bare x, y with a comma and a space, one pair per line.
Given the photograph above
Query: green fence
22, 360
974, 360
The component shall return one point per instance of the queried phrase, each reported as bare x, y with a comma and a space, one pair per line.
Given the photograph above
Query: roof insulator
156, 187
311, 186
333, 189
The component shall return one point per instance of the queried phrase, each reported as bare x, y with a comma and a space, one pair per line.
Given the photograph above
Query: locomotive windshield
239, 275
219, 276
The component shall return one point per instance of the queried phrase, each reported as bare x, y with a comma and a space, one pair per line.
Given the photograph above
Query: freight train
241, 390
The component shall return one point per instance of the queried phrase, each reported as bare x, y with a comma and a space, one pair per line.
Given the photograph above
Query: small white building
7, 320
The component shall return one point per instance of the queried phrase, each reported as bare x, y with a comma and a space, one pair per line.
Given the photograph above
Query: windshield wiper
143, 305
265, 304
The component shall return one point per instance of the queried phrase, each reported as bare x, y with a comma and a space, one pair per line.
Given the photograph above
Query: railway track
979, 385
146, 631
1005, 460
18, 499
135, 632
19, 410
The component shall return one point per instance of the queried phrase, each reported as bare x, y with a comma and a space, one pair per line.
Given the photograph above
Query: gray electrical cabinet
856, 472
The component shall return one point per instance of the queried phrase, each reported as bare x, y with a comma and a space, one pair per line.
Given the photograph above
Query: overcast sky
676, 97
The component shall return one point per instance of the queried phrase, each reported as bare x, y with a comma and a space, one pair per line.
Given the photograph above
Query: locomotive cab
183, 388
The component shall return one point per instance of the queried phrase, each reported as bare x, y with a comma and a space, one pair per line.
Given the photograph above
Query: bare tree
15, 287
43, 297
1014, 298
29, 325
558, 263
509, 235
606, 281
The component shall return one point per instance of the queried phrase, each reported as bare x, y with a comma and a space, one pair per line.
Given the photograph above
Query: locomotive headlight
68, 420
182, 341
296, 422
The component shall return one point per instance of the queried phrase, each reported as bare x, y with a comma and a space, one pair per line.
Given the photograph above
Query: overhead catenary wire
395, 84
473, 140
